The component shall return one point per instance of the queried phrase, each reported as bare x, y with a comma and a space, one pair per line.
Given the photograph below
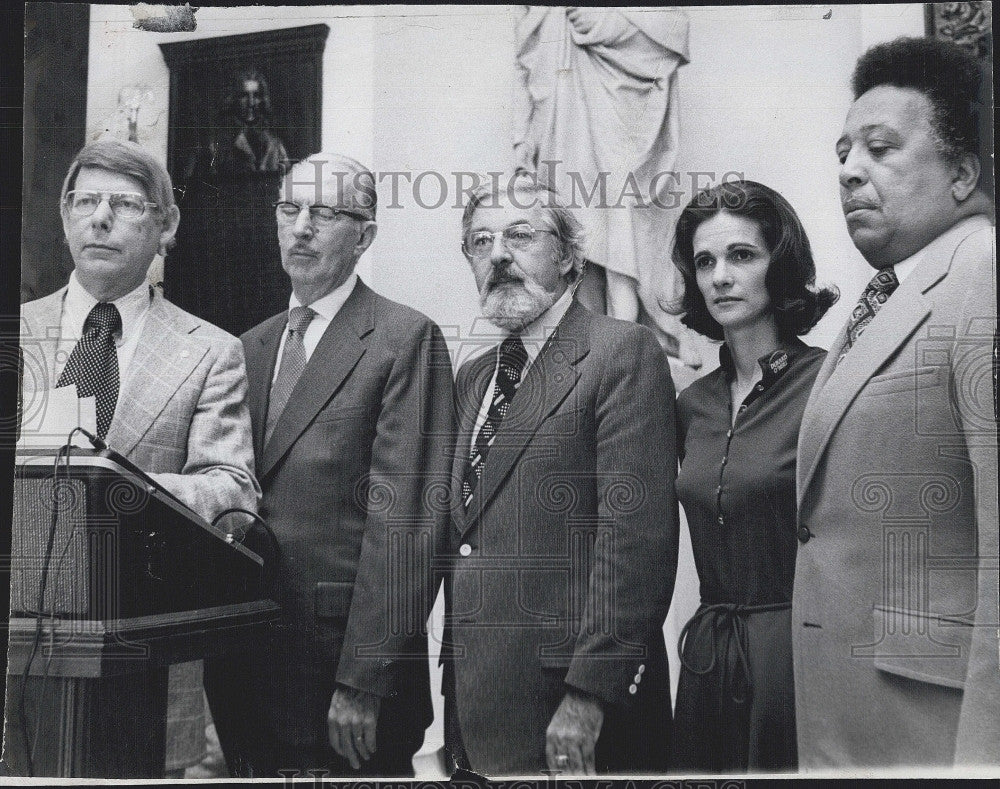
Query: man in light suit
563, 539
351, 401
895, 601
169, 388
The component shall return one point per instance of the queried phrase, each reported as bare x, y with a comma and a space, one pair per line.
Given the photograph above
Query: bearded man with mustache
563, 540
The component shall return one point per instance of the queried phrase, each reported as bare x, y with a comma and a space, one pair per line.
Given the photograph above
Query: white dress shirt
326, 309
133, 308
904, 268
534, 336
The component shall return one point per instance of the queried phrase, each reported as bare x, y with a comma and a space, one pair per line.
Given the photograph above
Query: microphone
98, 443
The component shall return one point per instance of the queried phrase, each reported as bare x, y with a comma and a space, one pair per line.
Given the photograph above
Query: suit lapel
261, 357
837, 385
343, 343
41, 327
549, 379
164, 358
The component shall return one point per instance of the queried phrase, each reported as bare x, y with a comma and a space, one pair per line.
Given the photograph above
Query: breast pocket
909, 380
343, 414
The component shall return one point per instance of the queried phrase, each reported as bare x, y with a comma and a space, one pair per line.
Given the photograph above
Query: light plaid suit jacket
182, 417
181, 413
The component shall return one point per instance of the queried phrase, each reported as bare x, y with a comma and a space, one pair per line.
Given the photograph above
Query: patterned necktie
513, 358
876, 293
293, 362
93, 364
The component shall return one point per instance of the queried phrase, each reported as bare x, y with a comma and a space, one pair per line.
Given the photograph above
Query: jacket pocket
922, 645
904, 380
333, 599
564, 423
335, 414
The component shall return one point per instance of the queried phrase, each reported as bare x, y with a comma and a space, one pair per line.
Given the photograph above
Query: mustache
856, 202
500, 277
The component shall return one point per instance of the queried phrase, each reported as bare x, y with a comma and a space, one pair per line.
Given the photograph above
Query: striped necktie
293, 362
512, 360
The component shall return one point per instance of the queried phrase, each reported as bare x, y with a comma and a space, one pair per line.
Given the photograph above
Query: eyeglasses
125, 205
515, 237
318, 213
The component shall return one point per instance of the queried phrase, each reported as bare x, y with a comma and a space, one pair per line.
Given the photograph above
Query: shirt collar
773, 365
329, 305
132, 306
904, 268
537, 333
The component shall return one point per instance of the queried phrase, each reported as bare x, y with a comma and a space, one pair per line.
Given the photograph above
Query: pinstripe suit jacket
563, 565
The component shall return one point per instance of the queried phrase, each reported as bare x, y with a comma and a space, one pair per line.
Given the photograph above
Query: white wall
421, 88
429, 88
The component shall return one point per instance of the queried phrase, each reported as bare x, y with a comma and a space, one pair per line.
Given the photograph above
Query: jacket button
642, 667
633, 689
804, 534
637, 679
465, 549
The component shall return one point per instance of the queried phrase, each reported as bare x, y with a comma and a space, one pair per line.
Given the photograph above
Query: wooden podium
134, 582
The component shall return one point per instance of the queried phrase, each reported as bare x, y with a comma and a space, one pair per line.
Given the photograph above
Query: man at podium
169, 388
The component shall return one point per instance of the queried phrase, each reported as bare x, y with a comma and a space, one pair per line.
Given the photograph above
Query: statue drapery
597, 119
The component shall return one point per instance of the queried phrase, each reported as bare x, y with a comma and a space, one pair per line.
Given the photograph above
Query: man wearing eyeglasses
169, 388
351, 401
563, 542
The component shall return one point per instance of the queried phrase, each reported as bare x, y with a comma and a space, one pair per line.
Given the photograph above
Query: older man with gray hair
351, 402
563, 543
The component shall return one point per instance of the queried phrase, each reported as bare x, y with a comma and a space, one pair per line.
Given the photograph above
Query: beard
511, 304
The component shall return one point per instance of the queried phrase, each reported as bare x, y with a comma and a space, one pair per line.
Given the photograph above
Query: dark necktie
513, 358
93, 364
293, 362
875, 294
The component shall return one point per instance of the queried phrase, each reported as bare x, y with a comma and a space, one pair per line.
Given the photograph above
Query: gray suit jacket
570, 550
895, 604
354, 477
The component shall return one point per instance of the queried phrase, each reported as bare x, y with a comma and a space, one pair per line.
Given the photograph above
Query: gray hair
565, 226
127, 158
358, 193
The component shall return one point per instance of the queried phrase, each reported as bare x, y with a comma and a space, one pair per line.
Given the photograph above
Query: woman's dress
735, 706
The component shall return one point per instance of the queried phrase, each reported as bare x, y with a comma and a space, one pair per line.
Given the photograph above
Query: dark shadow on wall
241, 108
55, 115
970, 25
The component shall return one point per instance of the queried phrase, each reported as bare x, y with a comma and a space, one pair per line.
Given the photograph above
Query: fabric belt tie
732, 617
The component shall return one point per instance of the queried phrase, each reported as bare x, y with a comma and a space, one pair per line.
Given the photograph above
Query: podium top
86, 462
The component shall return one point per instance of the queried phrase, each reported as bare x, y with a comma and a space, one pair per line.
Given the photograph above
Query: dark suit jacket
353, 477
894, 613
572, 550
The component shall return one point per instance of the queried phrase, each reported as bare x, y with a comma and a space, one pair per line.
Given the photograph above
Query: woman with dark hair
748, 280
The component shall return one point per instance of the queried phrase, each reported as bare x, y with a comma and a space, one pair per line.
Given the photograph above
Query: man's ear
170, 223
368, 232
566, 265
966, 177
